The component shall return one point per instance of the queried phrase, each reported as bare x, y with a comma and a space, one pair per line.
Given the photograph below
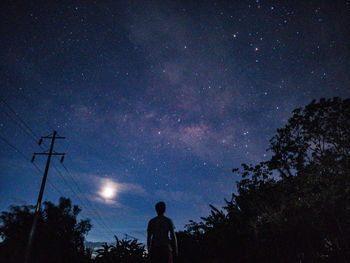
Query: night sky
158, 100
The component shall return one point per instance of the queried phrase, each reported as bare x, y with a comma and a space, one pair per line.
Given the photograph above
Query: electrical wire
21, 120
19, 125
25, 157
91, 205
81, 202
34, 137
49, 181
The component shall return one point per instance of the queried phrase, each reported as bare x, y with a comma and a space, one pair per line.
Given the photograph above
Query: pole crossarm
50, 137
49, 154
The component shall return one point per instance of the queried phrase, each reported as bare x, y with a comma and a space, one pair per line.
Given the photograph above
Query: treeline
295, 207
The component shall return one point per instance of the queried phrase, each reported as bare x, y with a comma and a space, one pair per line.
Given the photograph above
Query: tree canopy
59, 236
295, 207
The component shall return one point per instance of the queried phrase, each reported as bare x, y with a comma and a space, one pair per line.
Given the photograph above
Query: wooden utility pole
38, 204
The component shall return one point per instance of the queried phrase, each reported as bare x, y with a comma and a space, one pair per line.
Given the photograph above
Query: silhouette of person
158, 243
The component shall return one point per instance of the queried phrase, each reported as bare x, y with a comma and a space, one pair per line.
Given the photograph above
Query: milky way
157, 100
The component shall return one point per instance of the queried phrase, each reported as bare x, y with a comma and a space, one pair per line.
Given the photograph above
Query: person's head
160, 208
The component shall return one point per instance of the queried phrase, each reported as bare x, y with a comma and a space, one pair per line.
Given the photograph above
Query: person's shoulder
169, 221
152, 220
151, 223
167, 218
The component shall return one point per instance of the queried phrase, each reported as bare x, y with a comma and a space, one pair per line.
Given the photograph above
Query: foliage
125, 251
294, 207
59, 236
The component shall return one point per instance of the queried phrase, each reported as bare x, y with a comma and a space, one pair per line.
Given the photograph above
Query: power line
19, 125
55, 154
81, 202
94, 209
91, 205
31, 134
54, 187
35, 165
14, 147
35, 137
21, 120
27, 159
77, 186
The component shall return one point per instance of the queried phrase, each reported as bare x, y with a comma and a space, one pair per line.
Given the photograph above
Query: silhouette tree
125, 251
105, 254
59, 236
294, 207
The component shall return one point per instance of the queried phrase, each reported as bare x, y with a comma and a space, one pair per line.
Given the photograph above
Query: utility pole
38, 204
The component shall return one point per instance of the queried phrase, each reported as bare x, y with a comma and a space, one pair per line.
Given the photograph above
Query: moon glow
108, 190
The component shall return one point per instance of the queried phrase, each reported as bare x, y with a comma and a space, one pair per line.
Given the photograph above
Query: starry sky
158, 100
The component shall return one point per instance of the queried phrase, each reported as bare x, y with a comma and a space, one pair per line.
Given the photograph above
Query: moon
109, 190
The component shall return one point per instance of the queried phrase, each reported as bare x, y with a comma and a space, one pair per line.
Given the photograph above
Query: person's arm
149, 237
173, 239
149, 240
